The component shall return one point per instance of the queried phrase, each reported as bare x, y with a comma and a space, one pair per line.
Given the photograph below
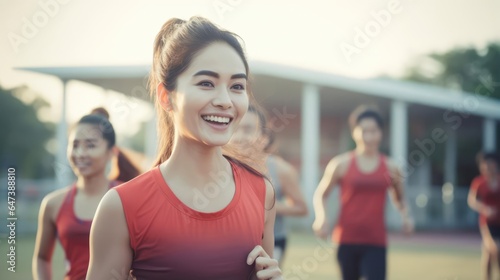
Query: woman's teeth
224, 120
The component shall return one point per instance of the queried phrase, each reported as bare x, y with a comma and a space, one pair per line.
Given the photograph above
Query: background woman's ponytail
127, 170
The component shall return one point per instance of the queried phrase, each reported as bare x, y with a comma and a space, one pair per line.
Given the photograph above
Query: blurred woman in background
364, 175
66, 214
484, 197
254, 137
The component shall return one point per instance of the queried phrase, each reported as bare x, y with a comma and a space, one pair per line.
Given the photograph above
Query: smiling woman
202, 212
66, 214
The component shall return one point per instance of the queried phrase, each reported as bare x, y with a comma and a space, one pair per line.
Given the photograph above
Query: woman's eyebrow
206, 73
239, 76
216, 75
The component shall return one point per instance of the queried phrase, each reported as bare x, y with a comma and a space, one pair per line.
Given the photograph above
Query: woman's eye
91, 146
205, 84
238, 87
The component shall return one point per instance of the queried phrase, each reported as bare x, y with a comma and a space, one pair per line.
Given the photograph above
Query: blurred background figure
484, 197
254, 137
364, 175
66, 214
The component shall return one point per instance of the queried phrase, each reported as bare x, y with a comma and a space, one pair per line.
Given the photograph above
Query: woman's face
210, 98
488, 168
88, 152
249, 133
367, 134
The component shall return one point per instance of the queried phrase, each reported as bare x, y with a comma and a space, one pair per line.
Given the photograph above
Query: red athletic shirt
489, 197
172, 241
362, 198
73, 233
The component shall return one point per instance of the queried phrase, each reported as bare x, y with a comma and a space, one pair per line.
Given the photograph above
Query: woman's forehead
367, 122
219, 58
86, 132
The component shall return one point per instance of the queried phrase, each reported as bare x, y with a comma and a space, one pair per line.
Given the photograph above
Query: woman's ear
163, 97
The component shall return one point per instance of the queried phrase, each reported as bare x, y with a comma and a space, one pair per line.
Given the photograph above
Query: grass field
422, 257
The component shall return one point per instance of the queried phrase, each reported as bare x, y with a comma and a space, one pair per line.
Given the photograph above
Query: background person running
200, 213
254, 137
66, 214
484, 197
364, 176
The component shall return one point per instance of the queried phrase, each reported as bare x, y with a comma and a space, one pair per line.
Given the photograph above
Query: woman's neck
493, 179
364, 151
194, 162
93, 185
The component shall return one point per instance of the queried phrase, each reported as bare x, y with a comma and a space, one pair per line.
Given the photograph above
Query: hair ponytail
126, 170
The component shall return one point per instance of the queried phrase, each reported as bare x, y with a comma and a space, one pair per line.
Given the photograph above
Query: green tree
470, 70
466, 69
24, 139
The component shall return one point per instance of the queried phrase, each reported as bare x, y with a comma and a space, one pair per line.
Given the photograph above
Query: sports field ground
424, 256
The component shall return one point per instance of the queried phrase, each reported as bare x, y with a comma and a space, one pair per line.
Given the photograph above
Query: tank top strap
353, 166
383, 163
70, 197
68, 201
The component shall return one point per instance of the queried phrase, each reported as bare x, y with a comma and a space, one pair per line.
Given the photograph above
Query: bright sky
308, 34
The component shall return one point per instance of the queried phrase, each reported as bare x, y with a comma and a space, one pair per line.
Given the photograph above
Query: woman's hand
408, 225
488, 211
320, 229
266, 268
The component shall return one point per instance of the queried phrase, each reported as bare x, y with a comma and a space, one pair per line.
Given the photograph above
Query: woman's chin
216, 140
85, 173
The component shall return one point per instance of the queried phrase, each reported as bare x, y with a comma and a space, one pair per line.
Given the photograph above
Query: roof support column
310, 140
450, 158
489, 134
62, 168
399, 135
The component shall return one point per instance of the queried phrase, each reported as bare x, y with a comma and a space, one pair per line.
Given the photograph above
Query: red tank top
172, 241
73, 233
362, 198
489, 197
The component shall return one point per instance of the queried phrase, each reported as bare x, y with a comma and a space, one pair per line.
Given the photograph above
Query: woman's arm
261, 256
45, 241
330, 179
110, 252
397, 195
295, 204
476, 204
